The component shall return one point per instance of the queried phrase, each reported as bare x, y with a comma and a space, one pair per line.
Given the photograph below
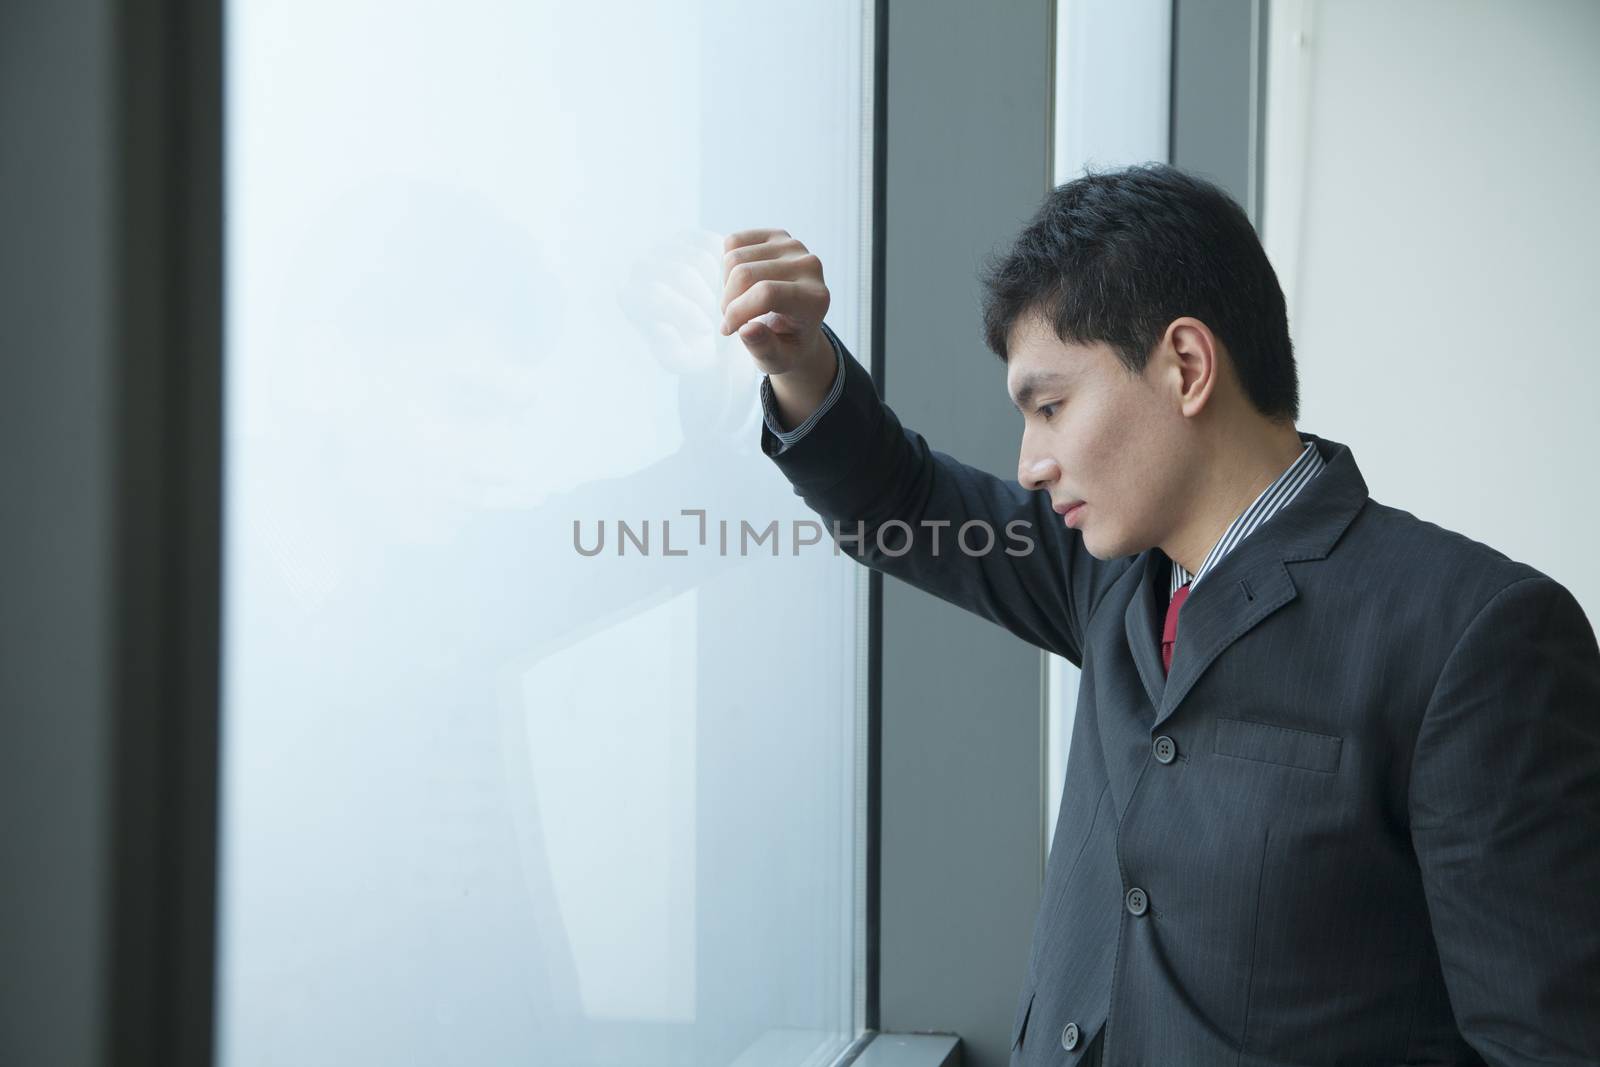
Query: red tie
1169, 630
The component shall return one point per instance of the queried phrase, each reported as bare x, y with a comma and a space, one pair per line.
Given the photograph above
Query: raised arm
890, 501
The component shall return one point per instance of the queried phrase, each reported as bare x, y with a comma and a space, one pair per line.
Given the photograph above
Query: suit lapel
1143, 619
1246, 586
1219, 611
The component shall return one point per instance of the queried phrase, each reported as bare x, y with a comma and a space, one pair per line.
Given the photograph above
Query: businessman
1334, 787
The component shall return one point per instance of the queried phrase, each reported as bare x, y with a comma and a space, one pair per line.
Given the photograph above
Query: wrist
816, 368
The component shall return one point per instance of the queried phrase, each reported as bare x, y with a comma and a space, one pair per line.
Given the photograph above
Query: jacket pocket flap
1278, 744
1021, 1022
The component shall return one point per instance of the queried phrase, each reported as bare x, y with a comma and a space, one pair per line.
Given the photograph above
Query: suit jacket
1358, 824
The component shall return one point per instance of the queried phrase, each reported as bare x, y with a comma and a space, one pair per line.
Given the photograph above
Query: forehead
1037, 360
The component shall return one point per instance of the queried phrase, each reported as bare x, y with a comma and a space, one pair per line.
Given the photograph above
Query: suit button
1137, 903
1166, 751
1069, 1037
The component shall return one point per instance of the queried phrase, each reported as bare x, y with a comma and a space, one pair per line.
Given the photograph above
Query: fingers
761, 269
803, 301
743, 275
776, 248
750, 237
768, 275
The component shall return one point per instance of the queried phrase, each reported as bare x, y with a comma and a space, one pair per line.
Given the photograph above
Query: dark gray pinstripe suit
1373, 838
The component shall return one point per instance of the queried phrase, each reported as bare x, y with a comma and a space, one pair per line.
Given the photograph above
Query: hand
774, 298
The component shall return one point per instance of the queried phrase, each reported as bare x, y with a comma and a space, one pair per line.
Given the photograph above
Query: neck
1234, 472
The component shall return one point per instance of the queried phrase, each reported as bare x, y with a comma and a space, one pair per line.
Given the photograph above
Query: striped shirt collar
1272, 498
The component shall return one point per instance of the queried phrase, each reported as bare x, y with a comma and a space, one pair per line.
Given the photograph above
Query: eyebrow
1033, 383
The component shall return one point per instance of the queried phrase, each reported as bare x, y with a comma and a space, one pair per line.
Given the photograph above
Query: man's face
1094, 433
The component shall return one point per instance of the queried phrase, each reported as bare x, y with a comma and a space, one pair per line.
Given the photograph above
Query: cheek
1100, 452
1115, 471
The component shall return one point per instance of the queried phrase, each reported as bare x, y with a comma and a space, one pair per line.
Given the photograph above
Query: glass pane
488, 798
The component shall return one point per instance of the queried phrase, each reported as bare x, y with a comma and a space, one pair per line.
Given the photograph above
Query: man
1347, 811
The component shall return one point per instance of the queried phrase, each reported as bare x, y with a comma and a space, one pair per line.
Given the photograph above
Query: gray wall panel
1216, 75
109, 356
968, 160
56, 114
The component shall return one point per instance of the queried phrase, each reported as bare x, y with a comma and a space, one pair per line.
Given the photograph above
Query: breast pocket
1020, 1024
1267, 743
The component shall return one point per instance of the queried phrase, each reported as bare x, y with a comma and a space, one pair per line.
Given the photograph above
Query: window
488, 798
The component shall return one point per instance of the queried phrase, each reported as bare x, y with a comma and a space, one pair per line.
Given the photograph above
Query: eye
1046, 410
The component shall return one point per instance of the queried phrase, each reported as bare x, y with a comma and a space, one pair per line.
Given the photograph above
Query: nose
1036, 471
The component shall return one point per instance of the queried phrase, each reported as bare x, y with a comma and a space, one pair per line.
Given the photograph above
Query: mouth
1069, 511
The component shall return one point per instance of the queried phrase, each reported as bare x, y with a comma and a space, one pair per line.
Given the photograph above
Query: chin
1103, 552
1091, 543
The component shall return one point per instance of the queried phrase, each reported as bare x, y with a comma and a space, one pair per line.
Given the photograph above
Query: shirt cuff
769, 407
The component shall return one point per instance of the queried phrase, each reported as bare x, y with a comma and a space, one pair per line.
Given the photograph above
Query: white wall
1430, 208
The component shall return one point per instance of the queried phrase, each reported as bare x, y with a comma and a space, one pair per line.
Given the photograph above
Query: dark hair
1116, 256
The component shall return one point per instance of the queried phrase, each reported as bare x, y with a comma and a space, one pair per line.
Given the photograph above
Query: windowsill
911, 1050
809, 1048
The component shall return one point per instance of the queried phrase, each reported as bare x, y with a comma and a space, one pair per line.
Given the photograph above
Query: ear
1197, 360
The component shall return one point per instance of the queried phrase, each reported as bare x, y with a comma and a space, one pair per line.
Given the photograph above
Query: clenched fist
773, 296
